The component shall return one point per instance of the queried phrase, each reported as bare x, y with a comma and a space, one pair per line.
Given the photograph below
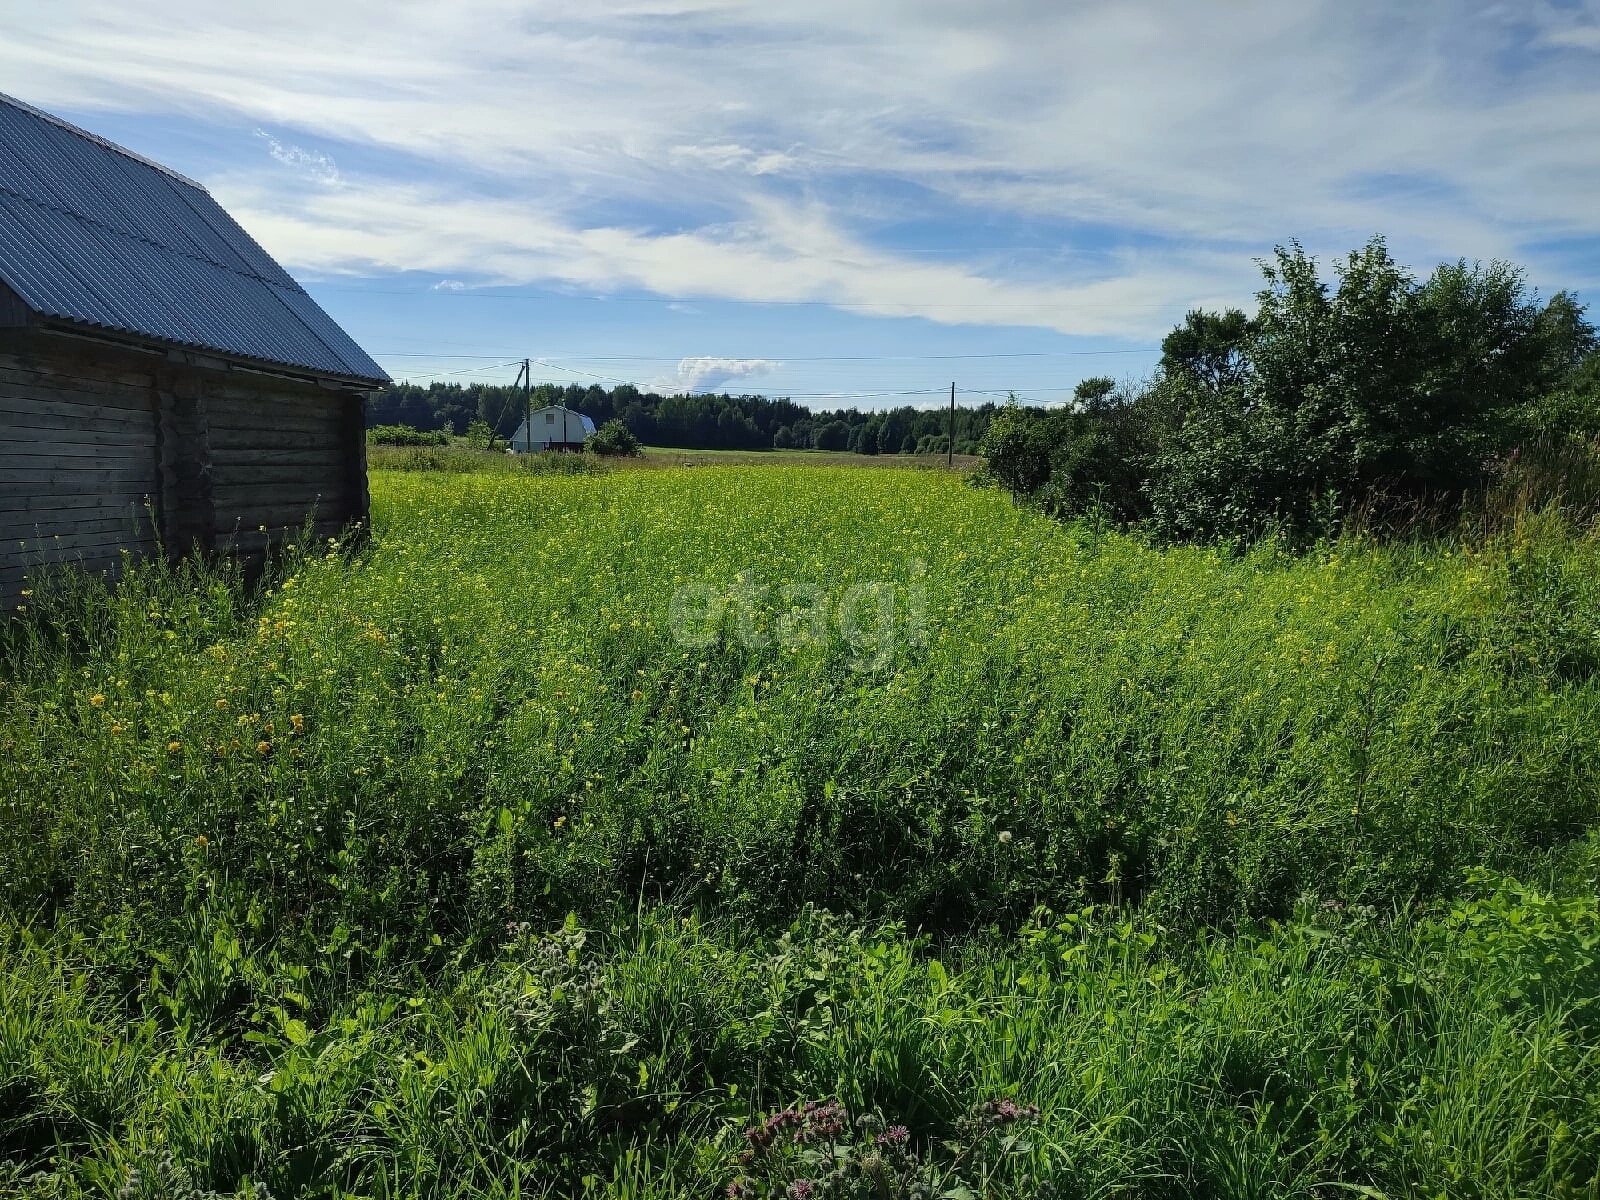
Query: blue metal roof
93, 234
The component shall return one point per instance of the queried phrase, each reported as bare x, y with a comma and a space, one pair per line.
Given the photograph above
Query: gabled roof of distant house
94, 236
588, 423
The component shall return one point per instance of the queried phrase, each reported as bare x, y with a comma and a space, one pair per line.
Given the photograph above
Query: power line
575, 371
549, 359
859, 395
786, 395
1008, 394
866, 395
469, 371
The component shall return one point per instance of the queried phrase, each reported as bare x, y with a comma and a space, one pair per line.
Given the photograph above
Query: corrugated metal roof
93, 234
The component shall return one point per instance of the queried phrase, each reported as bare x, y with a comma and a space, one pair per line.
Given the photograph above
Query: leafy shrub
1570, 412
613, 439
1085, 457
405, 435
1383, 394
1380, 387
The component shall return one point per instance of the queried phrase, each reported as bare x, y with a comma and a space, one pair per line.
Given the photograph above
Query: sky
849, 203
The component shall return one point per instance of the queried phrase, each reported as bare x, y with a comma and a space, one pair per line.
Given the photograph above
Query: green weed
443, 867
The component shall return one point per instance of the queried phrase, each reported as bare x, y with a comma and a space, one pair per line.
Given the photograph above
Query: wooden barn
163, 382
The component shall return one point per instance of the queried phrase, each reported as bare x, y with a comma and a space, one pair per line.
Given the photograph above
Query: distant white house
554, 428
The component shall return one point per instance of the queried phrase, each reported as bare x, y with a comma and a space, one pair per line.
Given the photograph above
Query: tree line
1375, 392
698, 422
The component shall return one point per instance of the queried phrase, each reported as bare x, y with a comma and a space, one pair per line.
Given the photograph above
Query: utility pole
525, 378
950, 450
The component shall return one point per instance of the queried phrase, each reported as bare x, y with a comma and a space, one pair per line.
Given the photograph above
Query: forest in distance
687, 422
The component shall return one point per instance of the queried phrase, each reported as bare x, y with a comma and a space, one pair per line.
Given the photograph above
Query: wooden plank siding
278, 456
105, 449
77, 465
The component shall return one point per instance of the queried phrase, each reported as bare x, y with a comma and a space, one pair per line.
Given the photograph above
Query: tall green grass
1173, 845
463, 459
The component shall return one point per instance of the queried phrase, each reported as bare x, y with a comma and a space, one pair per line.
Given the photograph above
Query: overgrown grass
1173, 845
463, 459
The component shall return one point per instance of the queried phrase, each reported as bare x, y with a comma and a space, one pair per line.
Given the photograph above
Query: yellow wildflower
97, 699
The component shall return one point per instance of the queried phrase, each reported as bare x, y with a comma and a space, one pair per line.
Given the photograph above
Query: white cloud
731, 157
783, 135
709, 374
312, 163
1585, 37
784, 254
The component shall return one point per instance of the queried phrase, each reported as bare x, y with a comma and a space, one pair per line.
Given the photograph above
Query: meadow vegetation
405, 435
440, 865
461, 458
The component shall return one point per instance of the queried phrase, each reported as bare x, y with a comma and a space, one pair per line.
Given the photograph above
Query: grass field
460, 458
581, 831
658, 455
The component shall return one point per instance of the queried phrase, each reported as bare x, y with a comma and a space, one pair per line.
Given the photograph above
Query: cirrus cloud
1086, 167
311, 163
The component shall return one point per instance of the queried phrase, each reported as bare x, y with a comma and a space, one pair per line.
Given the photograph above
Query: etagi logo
874, 619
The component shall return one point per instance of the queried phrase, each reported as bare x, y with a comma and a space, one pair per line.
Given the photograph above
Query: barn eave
18, 316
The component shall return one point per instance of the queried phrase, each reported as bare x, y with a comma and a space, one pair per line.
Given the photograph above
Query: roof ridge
107, 143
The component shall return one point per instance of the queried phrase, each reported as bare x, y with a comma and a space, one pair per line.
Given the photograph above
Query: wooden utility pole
950, 451
527, 402
505, 403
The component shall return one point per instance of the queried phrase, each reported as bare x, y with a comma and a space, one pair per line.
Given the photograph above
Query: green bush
1383, 394
613, 440
480, 435
1081, 458
404, 435
1382, 388
1570, 412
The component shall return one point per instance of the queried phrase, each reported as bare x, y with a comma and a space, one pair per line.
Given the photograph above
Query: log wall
281, 455
78, 465
104, 450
